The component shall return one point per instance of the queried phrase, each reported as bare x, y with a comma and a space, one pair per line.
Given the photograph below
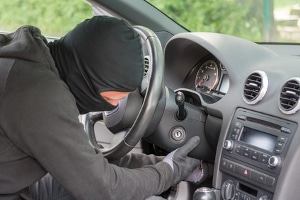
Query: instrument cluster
209, 78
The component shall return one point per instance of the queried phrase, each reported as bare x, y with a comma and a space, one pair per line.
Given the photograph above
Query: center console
253, 152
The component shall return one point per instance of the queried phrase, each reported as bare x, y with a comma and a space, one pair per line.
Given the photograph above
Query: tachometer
207, 76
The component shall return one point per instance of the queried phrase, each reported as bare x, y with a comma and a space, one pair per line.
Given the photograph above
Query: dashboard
250, 92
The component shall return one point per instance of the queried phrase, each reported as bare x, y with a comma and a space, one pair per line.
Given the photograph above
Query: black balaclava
100, 54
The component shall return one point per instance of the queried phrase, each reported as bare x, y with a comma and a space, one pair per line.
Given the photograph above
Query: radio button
282, 139
242, 117
238, 125
238, 150
247, 152
255, 155
231, 166
285, 130
264, 158
270, 181
224, 163
236, 130
278, 150
234, 136
280, 145
261, 178
254, 175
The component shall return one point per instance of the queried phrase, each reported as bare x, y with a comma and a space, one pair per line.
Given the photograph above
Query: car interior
240, 97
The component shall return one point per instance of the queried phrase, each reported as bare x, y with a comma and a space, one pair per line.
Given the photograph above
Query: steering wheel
125, 140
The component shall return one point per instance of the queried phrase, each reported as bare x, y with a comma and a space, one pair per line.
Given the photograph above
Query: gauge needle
211, 86
199, 82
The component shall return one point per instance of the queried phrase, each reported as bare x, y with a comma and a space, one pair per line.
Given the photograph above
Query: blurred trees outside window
258, 21
54, 18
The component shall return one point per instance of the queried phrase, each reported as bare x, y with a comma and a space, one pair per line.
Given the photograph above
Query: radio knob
228, 145
274, 161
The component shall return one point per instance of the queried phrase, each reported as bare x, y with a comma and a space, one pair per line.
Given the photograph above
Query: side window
54, 18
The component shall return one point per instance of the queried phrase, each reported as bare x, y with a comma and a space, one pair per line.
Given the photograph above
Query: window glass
259, 21
54, 18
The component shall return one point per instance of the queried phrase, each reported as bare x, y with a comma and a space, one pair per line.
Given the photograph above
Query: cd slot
264, 123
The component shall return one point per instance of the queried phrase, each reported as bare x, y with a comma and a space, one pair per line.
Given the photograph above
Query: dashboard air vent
255, 87
289, 96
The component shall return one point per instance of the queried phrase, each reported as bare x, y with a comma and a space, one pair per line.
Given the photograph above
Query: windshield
255, 20
258, 21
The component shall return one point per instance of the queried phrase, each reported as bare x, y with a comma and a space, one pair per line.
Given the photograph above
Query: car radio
255, 147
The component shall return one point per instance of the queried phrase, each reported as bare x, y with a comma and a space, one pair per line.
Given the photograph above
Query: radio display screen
258, 138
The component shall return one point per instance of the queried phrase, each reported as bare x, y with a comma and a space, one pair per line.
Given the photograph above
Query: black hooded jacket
41, 99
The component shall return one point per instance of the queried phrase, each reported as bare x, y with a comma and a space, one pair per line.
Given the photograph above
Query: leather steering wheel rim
138, 129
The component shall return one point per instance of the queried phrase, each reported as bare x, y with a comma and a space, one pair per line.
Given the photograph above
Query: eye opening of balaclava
100, 54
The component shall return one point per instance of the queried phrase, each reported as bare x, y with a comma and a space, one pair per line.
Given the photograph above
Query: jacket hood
26, 43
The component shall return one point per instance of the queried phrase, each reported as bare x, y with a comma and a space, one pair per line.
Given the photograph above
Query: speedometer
207, 76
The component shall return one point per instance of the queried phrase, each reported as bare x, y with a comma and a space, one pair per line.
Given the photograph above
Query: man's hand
181, 164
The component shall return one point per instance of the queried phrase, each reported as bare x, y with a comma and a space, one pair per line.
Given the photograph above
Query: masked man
43, 89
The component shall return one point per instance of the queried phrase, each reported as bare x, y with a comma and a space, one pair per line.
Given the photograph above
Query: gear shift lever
179, 99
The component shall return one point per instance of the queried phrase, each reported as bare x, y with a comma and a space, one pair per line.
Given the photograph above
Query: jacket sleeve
46, 127
135, 160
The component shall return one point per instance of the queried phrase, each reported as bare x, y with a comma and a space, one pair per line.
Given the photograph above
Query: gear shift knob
204, 193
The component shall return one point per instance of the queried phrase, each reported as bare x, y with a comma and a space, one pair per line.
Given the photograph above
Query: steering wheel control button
178, 134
